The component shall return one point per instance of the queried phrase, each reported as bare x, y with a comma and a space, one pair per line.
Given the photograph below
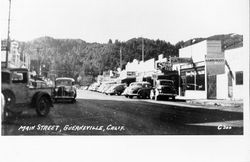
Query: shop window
239, 77
190, 81
193, 79
200, 79
200, 82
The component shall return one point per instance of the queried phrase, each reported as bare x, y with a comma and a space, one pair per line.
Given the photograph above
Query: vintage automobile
163, 88
19, 94
104, 90
138, 89
64, 89
116, 89
94, 86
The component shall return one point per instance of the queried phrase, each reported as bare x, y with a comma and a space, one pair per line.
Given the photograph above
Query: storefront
192, 80
199, 77
213, 73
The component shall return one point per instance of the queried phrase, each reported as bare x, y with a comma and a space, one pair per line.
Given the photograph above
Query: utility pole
142, 50
8, 37
121, 58
39, 60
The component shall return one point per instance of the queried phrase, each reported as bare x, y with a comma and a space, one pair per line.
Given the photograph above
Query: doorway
211, 86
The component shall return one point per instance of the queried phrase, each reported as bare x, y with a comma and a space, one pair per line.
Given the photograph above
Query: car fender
143, 91
140, 91
39, 95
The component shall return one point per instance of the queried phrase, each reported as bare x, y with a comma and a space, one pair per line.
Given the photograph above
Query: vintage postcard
125, 68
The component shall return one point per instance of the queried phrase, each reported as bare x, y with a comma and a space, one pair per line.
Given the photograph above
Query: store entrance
211, 86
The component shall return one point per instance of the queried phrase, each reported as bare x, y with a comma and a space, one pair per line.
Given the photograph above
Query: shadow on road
176, 116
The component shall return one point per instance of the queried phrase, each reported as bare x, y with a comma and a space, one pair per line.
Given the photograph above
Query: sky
101, 20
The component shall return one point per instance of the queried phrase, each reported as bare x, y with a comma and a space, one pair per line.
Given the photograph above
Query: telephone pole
142, 50
121, 58
8, 37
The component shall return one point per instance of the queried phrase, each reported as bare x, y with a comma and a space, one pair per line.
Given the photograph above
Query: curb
209, 103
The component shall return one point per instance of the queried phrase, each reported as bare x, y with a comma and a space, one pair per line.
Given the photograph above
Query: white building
232, 81
213, 73
14, 57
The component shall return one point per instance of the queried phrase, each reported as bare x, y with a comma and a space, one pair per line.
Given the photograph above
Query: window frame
239, 78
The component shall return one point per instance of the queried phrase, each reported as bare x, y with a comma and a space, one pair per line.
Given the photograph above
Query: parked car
65, 89
116, 89
19, 95
94, 86
101, 87
138, 89
164, 88
106, 87
38, 83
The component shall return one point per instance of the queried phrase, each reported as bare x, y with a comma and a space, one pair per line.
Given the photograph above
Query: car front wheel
43, 106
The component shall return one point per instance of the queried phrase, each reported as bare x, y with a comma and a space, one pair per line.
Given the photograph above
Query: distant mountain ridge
228, 41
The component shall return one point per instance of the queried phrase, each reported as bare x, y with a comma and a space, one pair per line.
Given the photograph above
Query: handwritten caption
224, 127
59, 128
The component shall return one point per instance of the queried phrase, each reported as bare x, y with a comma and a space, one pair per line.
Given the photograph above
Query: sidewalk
234, 104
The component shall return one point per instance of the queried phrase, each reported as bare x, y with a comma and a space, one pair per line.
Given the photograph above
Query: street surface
99, 114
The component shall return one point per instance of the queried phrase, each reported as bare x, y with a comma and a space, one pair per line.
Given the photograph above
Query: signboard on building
131, 74
164, 66
215, 65
3, 45
176, 60
3, 53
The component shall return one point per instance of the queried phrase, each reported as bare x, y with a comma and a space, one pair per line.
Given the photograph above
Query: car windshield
132, 84
164, 82
138, 84
63, 82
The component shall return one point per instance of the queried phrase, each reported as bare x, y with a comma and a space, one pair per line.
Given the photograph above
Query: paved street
99, 114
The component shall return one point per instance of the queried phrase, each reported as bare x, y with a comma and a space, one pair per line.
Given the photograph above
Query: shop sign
131, 74
4, 45
164, 66
215, 65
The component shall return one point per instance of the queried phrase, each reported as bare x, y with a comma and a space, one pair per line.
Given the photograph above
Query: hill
75, 57
228, 41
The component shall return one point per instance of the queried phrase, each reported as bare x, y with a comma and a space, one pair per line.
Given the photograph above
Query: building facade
212, 73
15, 59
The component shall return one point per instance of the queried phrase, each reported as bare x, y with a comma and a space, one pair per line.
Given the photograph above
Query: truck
20, 93
163, 87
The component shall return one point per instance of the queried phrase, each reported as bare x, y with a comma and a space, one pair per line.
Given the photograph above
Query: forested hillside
74, 57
